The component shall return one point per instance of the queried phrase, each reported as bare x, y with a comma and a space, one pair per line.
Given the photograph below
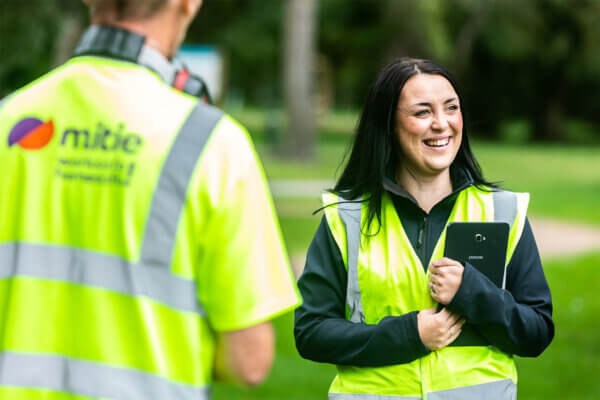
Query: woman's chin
437, 168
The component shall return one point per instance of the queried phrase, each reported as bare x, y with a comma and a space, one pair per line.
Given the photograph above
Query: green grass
564, 182
264, 124
568, 369
324, 166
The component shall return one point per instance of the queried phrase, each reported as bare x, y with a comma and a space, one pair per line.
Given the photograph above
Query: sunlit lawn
569, 368
564, 182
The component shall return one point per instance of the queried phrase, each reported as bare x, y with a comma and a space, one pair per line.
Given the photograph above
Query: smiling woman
380, 299
429, 129
410, 98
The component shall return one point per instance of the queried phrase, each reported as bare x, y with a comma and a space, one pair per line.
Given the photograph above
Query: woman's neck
427, 190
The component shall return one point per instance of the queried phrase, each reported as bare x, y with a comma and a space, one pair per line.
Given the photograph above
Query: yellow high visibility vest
386, 277
124, 222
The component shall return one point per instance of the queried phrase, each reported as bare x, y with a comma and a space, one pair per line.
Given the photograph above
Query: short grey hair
126, 9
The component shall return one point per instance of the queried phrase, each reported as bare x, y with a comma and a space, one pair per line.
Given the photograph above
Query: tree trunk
548, 120
300, 23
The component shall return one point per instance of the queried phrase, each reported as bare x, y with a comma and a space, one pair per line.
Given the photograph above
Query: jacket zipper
422, 242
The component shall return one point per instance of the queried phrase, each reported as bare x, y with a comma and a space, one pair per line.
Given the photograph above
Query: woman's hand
445, 277
438, 329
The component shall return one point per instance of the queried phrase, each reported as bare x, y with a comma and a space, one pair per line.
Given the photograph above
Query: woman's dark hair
375, 151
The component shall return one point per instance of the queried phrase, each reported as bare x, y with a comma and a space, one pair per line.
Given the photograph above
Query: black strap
113, 42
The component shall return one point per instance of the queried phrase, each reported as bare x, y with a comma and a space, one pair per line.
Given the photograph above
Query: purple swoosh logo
22, 129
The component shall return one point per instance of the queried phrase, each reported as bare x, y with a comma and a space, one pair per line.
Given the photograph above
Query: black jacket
517, 320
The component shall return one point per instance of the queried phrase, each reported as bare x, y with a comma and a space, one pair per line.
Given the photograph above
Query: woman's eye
453, 107
421, 113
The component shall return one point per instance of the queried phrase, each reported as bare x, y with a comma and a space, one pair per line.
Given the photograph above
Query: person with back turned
140, 254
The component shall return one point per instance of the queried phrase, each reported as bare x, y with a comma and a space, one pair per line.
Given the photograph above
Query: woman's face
428, 124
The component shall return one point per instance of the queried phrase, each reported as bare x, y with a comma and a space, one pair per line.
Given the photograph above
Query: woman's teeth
437, 142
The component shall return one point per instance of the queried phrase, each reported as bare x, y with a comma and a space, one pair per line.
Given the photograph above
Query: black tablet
481, 244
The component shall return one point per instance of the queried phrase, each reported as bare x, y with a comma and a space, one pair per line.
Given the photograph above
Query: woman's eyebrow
424, 104
427, 104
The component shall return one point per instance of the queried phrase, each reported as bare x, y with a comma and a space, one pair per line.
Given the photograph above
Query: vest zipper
422, 242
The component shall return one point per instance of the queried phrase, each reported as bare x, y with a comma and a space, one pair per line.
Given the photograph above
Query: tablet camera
479, 237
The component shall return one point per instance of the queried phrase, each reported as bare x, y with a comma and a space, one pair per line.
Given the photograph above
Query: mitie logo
34, 134
31, 133
103, 139
99, 166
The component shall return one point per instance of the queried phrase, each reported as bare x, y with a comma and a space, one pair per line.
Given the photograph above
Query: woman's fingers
454, 333
459, 323
452, 319
444, 261
445, 280
455, 330
438, 329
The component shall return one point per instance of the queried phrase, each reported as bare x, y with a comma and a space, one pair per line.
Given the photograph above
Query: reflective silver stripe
151, 276
505, 207
91, 379
505, 210
350, 213
100, 270
171, 190
362, 396
504, 389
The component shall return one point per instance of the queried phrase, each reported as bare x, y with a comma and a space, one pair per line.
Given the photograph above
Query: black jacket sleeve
517, 320
321, 330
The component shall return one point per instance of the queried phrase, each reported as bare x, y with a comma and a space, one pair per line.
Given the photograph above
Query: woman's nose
440, 122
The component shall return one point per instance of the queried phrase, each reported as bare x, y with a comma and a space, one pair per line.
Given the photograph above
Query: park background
296, 73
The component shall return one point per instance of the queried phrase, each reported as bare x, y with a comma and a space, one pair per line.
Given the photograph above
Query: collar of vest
121, 44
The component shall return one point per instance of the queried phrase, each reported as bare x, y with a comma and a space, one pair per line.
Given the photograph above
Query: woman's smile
438, 143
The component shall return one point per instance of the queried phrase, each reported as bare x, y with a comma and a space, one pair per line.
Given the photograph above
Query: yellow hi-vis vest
386, 277
134, 223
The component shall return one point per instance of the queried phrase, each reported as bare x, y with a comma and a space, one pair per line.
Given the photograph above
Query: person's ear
190, 7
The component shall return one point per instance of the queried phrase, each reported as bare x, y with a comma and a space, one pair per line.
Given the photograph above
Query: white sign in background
207, 63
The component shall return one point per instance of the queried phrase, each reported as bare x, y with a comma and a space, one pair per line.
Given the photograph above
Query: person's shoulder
229, 148
23, 93
229, 133
228, 128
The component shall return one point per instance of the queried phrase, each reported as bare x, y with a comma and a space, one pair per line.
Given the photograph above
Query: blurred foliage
249, 33
25, 46
535, 62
